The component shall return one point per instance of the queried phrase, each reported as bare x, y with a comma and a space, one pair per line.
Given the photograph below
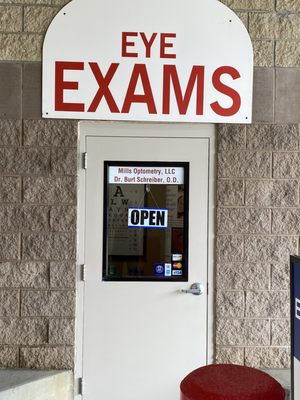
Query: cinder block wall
258, 226
258, 214
37, 242
37, 201
257, 185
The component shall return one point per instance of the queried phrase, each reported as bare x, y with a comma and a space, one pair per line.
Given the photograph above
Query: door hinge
82, 272
84, 160
80, 386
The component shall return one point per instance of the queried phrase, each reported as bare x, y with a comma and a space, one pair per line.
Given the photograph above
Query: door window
145, 221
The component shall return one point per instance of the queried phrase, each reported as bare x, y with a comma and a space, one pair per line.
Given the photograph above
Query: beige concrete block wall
274, 27
258, 219
37, 243
258, 196
258, 209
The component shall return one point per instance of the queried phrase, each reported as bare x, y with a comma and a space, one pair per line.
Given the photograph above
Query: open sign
147, 217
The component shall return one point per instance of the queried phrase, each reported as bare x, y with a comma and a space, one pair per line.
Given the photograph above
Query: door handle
196, 288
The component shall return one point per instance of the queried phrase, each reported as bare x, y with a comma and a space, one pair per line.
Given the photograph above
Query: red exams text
139, 74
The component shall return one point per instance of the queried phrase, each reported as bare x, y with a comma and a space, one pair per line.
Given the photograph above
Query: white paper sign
121, 240
148, 61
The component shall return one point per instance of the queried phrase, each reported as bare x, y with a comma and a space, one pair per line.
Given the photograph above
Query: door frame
138, 129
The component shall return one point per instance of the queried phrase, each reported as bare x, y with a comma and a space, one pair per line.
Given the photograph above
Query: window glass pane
145, 221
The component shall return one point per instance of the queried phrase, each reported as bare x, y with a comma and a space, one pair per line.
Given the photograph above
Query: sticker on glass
177, 272
176, 257
168, 270
159, 269
177, 265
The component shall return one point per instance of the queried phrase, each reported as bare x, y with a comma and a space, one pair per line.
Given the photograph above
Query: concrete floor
283, 376
20, 384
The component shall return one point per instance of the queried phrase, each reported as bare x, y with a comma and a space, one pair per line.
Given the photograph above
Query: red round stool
230, 382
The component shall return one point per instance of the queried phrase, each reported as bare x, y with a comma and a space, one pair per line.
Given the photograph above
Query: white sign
146, 175
148, 61
121, 240
147, 217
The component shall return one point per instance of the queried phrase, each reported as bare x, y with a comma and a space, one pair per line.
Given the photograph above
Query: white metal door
141, 338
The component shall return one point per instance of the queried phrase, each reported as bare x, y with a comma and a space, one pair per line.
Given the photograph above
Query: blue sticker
168, 269
159, 269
